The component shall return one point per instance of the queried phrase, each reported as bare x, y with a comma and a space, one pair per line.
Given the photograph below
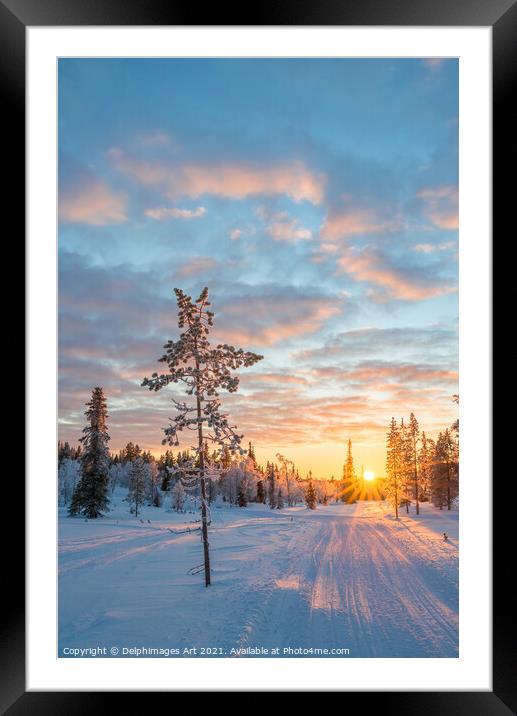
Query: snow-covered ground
342, 577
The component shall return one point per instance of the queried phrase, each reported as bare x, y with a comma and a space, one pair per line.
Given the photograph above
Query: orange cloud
270, 319
238, 233
352, 223
238, 181
441, 205
405, 373
368, 267
275, 378
288, 231
384, 376
235, 180
92, 204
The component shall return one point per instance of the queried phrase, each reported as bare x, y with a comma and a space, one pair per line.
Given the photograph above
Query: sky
318, 201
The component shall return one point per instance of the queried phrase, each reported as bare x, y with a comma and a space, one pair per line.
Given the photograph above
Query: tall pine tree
444, 481
424, 466
90, 496
393, 466
348, 485
413, 436
406, 469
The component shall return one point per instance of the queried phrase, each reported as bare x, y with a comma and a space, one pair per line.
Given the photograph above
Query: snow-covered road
341, 577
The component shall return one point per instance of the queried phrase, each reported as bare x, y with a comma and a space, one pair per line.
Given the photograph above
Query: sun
368, 475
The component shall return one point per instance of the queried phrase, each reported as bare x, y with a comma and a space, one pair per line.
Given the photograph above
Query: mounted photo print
259, 438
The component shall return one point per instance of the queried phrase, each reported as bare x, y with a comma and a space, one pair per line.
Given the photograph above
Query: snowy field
342, 577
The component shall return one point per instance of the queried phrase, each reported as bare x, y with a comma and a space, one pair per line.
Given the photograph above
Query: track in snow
361, 584
338, 577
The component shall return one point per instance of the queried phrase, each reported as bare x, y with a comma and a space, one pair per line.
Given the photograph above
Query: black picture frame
501, 15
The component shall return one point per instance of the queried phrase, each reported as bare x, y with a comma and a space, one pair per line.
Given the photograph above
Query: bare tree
288, 466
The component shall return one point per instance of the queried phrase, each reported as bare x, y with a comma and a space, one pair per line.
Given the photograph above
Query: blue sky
318, 201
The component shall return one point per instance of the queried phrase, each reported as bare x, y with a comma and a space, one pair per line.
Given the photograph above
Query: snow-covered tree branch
204, 371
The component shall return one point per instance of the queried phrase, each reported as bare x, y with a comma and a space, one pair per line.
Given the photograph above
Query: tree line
419, 468
168, 481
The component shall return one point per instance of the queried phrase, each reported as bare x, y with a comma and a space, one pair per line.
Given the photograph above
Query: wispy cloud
434, 248
93, 204
276, 315
378, 373
238, 232
440, 205
162, 213
236, 180
422, 342
289, 231
197, 266
406, 284
342, 225
434, 63
155, 138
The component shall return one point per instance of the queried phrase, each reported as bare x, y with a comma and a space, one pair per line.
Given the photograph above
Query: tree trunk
204, 530
204, 525
448, 486
416, 477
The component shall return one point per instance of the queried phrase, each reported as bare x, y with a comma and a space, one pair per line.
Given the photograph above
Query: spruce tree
166, 464
261, 498
130, 452
280, 500
413, 434
393, 466
406, 466
90, 496
310, 496
64, 451
204, 371
444, 474
242, 500
137, 486
348, 484
334, 489
271, 486
424, 467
